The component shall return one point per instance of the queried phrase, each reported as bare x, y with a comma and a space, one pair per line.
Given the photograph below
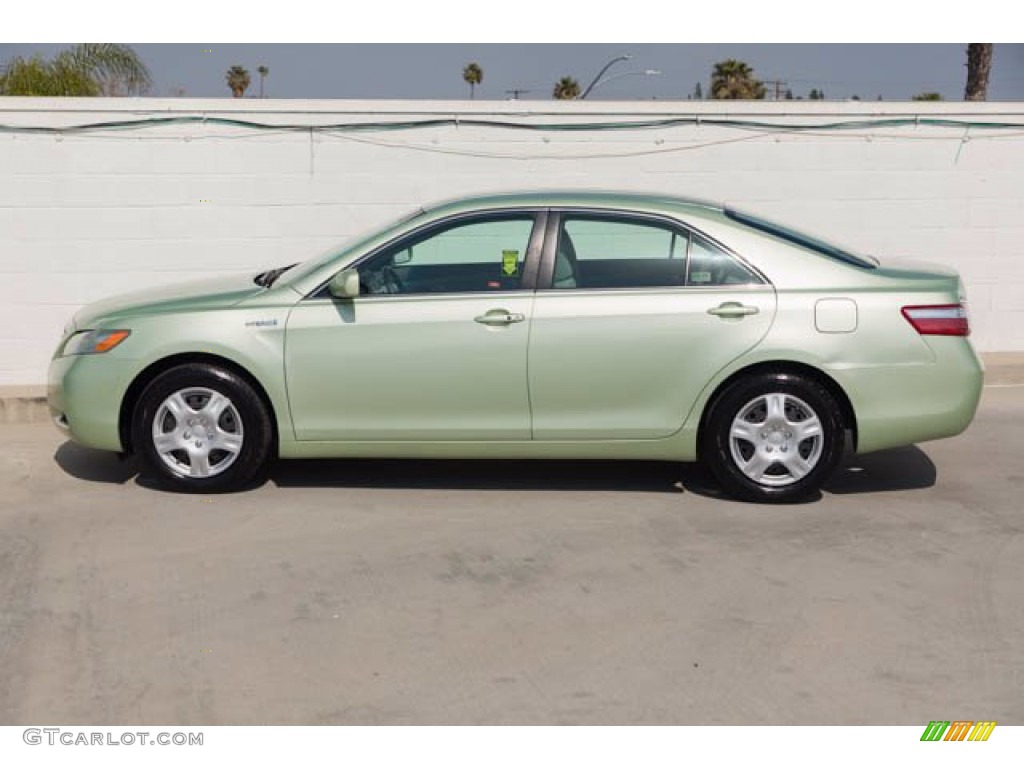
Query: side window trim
672, 245
546, 274
554, 228
531, 261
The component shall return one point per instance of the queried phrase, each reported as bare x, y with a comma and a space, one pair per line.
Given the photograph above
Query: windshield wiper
266, 279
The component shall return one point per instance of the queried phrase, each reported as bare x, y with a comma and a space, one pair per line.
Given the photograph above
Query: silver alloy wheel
197, 432
776, 439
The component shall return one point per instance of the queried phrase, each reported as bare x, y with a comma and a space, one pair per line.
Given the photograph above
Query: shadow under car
896, 469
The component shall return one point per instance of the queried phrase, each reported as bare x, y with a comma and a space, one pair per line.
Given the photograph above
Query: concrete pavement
514, 592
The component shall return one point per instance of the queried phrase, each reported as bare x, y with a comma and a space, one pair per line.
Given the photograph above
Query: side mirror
345, 284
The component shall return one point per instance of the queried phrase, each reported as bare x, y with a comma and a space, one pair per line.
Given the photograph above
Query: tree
789, 94
732, 79
566, 89
927, 96
474, 75
117, 68
87, 69
263, 70
816, 95
979, 66
238, 80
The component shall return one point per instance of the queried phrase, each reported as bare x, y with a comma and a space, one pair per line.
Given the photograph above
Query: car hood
209, 293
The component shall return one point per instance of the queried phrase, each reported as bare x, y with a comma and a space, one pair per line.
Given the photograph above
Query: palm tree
116, 68
263, 70
473, 75
87, 69
732, 79
979, 66
238, 80
566, 89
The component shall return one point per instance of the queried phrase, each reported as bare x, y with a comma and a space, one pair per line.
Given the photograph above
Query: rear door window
596, 251
709, 266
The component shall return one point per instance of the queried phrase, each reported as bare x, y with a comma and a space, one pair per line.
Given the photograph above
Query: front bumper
84, 393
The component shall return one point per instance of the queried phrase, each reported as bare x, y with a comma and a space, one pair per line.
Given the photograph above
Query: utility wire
406, 125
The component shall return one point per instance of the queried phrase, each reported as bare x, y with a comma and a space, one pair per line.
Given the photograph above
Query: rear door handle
732, 309
500, 317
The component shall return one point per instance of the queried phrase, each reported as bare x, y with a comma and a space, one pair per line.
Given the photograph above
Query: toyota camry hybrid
540, 325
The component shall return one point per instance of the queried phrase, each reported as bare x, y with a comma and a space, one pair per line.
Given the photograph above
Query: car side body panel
408, 368
89, 389
623, 364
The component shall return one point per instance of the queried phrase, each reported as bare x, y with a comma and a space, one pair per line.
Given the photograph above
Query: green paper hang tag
510, 263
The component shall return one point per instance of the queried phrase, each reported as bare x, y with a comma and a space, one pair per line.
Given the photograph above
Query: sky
894, 71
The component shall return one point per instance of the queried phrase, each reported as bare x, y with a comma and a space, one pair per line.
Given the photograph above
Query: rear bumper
84, 393
900, 405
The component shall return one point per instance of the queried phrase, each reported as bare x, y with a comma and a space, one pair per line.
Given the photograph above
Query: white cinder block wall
86, 215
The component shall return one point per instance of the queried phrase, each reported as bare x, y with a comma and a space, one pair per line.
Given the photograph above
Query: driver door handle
732, 309
500, 317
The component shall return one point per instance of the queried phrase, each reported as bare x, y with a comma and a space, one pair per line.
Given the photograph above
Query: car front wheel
773, 437
202, 428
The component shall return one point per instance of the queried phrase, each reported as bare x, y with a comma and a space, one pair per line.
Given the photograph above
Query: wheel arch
782, 366
154, 369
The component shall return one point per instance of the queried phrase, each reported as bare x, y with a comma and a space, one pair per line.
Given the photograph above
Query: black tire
810, 461
246, 414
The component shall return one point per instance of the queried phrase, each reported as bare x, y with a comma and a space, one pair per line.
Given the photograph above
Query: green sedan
544, 325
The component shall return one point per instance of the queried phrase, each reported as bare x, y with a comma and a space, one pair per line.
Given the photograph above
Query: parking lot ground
344, 592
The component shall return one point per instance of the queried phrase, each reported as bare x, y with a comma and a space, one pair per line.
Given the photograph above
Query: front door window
481, 256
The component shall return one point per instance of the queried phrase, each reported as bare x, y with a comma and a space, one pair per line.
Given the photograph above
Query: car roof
574, 198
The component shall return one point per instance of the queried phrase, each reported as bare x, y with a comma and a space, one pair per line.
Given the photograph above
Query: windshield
830, 250
311, 265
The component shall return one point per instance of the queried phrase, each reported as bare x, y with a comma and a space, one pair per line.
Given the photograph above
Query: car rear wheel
200, 427
773, 437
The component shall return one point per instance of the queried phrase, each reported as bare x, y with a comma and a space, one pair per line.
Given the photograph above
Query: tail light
939, 319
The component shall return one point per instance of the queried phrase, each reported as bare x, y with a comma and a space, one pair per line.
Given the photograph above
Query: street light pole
605, 68
634, 73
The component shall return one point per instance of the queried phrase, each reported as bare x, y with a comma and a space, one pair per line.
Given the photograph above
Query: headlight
93, 342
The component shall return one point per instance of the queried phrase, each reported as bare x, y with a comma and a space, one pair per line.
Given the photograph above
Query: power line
904, 119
